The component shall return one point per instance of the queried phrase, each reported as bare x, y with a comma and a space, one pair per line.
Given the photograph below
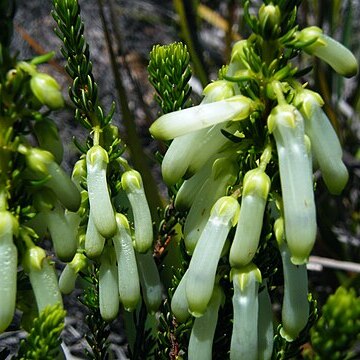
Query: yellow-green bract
203, 330
128, 276
248, 229
287, 126
100, 204
8, 269
203, 264
132, 184
244, 338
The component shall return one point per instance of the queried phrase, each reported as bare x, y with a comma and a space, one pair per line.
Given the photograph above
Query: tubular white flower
203, 264
108, 285
132, 184
8, 269
341, 59
248, 229
244, 339
94, 241
265, 326
129, 283
324, 141
287, 125
203, 330
295, 306
151, 286
179, 303
224, 173
69, 274
172, 125
100, 204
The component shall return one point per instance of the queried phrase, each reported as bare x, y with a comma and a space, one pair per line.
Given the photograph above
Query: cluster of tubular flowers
120, 243
220, 195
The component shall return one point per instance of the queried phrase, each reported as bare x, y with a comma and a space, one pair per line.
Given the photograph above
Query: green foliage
43, 341
338, 328
169, 73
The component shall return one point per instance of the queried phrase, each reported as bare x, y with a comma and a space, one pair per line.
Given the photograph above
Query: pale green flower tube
203, 264
183, 149
287, 126
324, 141
341, 59
151, 286
190, 187
295, 306
177, 123
203, 330
224, 173
244, 338
94, 241
108, 285
265, 326
132, 184
69, 275
100, 204
8, 269
62, 235
248, 229
42, 277
179, 303
129, 283
43, 164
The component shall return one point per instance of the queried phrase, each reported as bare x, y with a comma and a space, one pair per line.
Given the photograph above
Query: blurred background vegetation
121, 34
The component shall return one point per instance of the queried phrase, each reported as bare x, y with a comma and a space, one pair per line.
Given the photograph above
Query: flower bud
100, 203
329, 50
269, 20
244, 339
179, 303
246, 240
47, 90
203, 264
218, 90
287, 126
132, 184
69, 274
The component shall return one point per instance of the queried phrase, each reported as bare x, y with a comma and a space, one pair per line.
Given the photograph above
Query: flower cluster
249, 149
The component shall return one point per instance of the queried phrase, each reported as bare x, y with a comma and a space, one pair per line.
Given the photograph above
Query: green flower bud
218, 90
287, 126
244, 338
47, 90
69, 274
94, 241
329, 50
248, 229
100, 203
203, 264
132, 184
172, 125
269, 20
